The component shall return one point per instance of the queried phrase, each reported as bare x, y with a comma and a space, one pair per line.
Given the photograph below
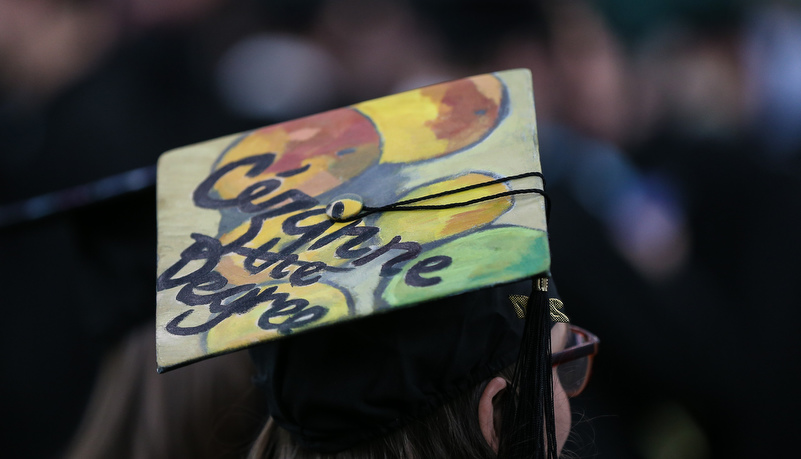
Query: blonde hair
206, 410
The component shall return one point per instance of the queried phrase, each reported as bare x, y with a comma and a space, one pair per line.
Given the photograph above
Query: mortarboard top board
302, 239
248, 251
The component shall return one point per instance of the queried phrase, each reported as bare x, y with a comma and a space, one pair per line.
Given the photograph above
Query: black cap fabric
344, 385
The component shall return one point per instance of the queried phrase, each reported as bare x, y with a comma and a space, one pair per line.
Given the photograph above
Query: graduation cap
378, 259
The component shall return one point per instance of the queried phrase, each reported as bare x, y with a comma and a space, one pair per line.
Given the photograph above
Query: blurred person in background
709, 77
90, 95
208, 410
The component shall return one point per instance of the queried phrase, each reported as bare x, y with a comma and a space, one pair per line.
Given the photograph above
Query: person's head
468, 426
382, 262
433, 381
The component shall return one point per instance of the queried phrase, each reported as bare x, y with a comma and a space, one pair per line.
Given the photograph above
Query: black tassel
528, 429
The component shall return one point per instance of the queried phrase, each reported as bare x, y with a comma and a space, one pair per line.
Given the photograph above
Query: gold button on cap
345, 207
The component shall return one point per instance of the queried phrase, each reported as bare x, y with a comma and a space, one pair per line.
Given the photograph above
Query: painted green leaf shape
483, 258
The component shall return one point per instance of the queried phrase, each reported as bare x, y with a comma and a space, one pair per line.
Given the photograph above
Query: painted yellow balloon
323, 150
424, 226
240, 331
436, 120
232, 266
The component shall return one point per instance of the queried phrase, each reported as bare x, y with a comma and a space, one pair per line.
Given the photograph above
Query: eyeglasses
574, 363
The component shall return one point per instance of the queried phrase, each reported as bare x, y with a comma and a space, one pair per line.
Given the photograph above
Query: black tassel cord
405, 204
528, 429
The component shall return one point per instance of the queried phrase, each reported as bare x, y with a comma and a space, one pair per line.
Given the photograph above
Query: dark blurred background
670, 134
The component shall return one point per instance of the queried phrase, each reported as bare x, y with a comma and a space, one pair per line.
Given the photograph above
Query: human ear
486, 411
